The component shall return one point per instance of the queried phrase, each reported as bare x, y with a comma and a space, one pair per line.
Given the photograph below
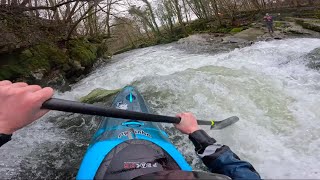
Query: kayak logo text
138, 165
121, 105
141, 132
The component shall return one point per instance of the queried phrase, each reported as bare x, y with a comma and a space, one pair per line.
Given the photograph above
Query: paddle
83, 108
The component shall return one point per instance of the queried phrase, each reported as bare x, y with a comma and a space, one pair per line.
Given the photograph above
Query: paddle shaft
83, 108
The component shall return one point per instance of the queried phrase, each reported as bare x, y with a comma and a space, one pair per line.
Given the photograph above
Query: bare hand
188, 123
20, 105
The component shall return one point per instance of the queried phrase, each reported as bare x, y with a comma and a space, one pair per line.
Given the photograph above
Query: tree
151, 14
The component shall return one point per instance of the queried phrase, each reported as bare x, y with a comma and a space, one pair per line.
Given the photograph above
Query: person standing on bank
269, 22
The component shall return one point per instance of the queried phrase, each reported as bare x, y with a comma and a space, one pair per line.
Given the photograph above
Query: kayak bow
125, 149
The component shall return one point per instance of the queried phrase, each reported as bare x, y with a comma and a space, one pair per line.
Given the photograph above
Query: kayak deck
140, 144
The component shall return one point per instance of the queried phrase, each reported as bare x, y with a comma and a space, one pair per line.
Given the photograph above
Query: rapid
268, 85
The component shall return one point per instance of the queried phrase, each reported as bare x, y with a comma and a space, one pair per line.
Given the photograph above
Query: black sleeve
4, 138
220, 159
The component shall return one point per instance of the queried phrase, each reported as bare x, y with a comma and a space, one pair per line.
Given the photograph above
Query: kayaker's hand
20, 105
188, 123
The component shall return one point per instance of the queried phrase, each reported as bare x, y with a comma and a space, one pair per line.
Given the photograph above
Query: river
267, 85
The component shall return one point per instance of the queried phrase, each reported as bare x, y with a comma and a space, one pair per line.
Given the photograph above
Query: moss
83, 51
278, 24
236, 30
222, 30
27, 53
98, 95
125, 49
197, 25
13, 67
309, 25
43, 56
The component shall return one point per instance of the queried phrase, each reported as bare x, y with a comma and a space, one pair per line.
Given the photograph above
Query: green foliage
278, 24
42, 56
222, 30
98, 95
101, 49
196, 26
12, 70
236, 30
83, 51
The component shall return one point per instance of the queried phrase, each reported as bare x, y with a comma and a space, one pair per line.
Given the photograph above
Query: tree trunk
216, 11
185, 10
36, 5
204, 11
25, 2
178, 9
153, 18
55, 13
296, 3
14, 3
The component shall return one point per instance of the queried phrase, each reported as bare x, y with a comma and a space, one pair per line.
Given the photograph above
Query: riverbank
50, 61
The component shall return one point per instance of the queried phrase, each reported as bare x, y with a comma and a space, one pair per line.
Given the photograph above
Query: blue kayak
125, 149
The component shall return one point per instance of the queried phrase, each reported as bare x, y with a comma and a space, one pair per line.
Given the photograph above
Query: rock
296, 29
311, 24
77, 66
276, 35
232, 39
245, 37
38, 75
300, 27
99, 95
314, 59
250, 34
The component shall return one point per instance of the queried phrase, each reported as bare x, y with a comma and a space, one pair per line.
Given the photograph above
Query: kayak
125, 149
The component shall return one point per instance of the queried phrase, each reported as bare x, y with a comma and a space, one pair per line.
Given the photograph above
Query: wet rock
300, 27
314, 59
99, 95
311, 24
38, 75
245, 37
269, 37
77, 66
250, 34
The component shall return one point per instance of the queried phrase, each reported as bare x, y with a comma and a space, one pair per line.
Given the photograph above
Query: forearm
220, 159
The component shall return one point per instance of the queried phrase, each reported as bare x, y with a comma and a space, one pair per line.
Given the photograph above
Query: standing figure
269, 22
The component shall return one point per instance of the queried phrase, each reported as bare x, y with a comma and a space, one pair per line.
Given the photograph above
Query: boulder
99, 95
38, 74
245, 37
77, 66
314, 59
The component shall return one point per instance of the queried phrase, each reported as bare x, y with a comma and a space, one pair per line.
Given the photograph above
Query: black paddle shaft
83, 108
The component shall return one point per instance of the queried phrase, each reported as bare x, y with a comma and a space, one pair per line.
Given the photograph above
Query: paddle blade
224, 123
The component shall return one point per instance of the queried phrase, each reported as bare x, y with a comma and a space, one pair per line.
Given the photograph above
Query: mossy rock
308, 24
278, 24
83, 51
42, 56
236, 30
222, 30
98, 95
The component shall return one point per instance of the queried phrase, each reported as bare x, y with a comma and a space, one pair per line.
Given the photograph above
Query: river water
267, 85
